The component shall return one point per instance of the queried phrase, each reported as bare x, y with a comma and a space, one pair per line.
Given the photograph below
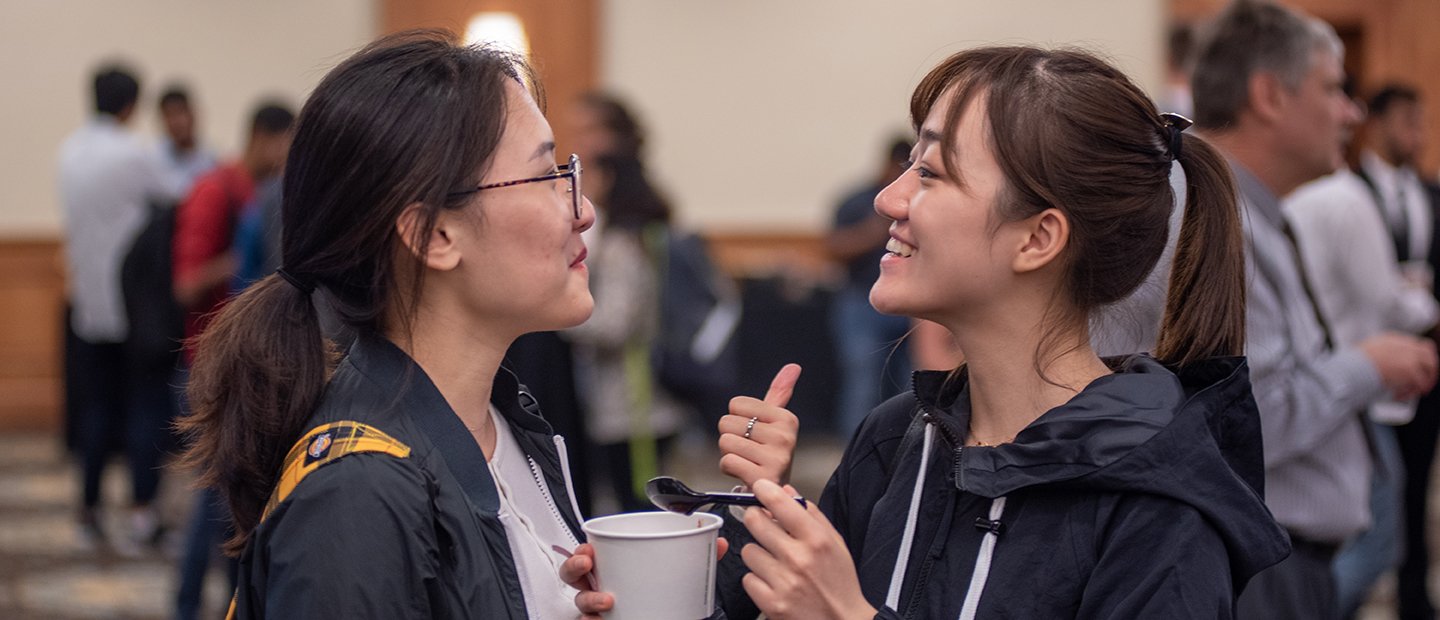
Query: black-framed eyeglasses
569, 171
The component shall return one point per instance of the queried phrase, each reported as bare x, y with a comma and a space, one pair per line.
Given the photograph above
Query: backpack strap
320, 445
324, 444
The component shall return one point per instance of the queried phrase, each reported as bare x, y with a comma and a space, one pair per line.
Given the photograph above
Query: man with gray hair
1268, 93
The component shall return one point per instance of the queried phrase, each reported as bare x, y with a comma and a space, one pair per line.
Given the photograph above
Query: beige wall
230, 52
763, 111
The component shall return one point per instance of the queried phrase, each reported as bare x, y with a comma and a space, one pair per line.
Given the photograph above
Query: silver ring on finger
750, 427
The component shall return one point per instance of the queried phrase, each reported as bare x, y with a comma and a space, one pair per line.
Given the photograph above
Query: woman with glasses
1037, 480
410, 476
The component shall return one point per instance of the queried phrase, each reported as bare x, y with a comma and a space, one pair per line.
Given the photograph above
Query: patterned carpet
48, 571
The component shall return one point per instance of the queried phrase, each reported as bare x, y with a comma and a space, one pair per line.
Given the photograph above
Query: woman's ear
1045, 236
442, 253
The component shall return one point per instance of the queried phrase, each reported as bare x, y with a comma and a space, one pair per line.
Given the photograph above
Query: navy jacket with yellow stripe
371, 535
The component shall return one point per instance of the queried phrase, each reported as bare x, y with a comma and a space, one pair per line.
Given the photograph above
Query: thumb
783, 386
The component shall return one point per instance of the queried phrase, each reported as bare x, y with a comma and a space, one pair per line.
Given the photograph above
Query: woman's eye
925, 173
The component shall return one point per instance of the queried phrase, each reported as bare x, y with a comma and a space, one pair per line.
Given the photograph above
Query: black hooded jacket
1141, 497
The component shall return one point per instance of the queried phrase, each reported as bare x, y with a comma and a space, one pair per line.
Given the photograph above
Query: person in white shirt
1348, 255
108, 177
1394, 138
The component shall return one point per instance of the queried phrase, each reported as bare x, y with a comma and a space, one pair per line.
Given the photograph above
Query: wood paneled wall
762, 253
1397, 41
32, 306
32, 309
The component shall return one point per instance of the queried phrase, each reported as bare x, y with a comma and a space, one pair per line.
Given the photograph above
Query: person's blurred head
611, 138
1395, 127
603, 125
1179, 48
1041, 187
270, 134
116, 91
1272, 79
178, 117
897, 154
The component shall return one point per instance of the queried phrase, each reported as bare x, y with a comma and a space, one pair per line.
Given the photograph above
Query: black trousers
1302, 587
115, 404
1417, 449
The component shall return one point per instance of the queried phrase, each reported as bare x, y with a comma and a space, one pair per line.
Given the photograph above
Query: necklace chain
982, 444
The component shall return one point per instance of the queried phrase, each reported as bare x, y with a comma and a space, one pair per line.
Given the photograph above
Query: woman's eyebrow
930, 135
547, 147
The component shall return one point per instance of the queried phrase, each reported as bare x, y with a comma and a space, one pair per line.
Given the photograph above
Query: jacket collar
1100, 425
1191, 434
384, 363
395, 373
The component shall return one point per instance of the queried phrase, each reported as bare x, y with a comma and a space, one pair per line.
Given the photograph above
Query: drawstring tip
989, 526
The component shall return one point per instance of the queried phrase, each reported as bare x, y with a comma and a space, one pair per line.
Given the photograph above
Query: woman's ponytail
1205, 303
259, 371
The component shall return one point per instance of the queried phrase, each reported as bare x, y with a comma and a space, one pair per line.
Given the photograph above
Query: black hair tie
304, 286
1175, 125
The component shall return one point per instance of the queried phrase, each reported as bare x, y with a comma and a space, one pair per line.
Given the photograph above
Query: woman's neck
461, 361
1004, 361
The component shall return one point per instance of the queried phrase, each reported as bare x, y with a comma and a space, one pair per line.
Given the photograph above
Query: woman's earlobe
1046, 235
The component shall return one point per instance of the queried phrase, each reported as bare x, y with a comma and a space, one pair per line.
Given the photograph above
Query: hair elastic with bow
1174, 126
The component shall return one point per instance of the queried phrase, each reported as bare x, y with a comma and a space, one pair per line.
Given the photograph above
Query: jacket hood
1191, 435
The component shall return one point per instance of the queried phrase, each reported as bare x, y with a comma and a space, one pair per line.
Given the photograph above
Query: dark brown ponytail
1205, 304
259, 372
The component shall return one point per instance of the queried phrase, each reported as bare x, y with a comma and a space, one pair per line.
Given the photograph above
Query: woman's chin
558, 317
579, 311
884, 302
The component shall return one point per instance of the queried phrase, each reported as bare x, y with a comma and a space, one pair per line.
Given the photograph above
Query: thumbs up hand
757, 437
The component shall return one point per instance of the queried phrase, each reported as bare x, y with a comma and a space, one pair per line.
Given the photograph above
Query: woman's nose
893, 201
587, 215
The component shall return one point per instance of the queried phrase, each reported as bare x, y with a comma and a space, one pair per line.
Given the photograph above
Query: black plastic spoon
670, 494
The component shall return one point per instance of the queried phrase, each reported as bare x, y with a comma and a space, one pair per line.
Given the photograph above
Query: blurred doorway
562, 36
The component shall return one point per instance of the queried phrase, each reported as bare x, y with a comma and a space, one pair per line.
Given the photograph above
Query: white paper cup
658, 565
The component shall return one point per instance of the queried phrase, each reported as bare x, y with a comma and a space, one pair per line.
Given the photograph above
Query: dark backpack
695, 357
157, 324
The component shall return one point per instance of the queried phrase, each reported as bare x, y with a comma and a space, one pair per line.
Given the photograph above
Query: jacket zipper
981, 573
923, 578
569, 480
549, 500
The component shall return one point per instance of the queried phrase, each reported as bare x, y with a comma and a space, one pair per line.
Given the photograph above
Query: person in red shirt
203, 264
203, 268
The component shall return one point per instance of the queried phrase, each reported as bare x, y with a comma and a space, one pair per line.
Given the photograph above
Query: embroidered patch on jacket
319, 446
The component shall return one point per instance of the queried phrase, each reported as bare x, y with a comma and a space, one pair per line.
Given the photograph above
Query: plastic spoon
670, 494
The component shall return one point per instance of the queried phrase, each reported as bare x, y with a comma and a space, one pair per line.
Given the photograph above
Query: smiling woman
1035, 479
422, 206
